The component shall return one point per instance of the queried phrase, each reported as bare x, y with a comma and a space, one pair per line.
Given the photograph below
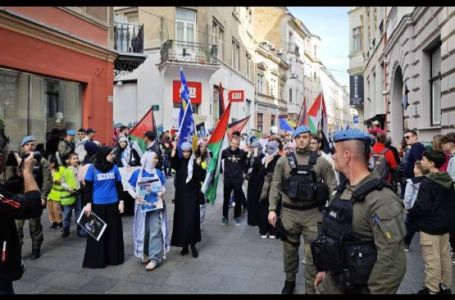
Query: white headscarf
146, 161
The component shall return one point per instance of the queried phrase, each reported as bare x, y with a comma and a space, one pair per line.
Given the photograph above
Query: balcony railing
181, 51
128, 38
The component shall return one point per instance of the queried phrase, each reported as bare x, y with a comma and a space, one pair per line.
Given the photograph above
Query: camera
36, 155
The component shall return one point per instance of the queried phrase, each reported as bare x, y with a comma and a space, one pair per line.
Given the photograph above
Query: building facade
212, 45
409, 69
56, 70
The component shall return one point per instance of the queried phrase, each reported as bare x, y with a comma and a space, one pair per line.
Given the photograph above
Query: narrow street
232, 259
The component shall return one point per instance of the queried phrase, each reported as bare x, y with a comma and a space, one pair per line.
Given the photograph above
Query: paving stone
98, 285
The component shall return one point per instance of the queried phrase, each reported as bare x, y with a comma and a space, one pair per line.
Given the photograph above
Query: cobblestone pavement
232, 260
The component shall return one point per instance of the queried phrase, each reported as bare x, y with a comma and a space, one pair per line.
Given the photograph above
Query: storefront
52, 79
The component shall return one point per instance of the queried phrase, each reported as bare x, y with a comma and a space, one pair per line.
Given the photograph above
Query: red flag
303, 119
237, 126
145, 124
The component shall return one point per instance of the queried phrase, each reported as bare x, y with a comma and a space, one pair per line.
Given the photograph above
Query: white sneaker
151, 265
272, 237
264, 236
145, 259
303, 261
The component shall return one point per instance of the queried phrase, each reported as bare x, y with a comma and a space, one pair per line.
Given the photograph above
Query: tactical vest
337, 249
302, 185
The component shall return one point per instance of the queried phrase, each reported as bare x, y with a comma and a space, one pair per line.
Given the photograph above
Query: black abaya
255, 183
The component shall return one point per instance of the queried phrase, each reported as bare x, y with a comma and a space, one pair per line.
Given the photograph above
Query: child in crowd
410, 196
53, 203
71, 187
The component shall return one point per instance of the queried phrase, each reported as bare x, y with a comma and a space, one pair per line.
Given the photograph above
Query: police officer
368, 217
305, 171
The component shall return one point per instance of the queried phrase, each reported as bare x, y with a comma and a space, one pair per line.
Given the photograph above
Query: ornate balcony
189, 52
129, 44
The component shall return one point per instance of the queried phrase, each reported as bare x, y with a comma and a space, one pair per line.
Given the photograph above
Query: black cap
150, 134
90, 130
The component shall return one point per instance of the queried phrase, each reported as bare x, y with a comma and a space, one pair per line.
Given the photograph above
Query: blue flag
284, 125
186, 120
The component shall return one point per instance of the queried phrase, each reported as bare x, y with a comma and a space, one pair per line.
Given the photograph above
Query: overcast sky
331, 24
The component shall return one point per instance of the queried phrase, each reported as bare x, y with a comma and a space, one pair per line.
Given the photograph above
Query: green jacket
70, 186
380, 217
47, 178
322, 168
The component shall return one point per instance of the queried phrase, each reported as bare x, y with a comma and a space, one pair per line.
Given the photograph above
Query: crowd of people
365, 196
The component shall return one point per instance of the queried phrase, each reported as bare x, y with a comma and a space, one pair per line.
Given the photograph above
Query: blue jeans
67, 213
153, 236
78, 211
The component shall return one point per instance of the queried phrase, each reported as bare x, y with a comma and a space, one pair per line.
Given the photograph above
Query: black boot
288, 288
36, 253
184, 250
66, 232
444, 290
194, 251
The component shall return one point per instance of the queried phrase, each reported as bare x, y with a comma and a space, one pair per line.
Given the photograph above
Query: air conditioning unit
279, 51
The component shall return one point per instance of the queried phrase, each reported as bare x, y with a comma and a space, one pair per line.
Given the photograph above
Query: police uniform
375, 231
297, 217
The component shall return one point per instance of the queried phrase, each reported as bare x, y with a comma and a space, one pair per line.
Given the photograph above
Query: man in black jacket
15, 207
234, 172
433, 214
152, 145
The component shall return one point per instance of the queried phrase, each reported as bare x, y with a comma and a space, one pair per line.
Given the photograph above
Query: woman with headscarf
255, 182
125, 157
150, 224
103, 185
189, 174
269, 161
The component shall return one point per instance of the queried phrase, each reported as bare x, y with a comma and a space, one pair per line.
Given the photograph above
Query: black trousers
6, 288
236, 185
410, 231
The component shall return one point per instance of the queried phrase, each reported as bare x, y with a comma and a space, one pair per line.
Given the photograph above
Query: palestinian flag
215, 143
145, 124
237, 126
317, 121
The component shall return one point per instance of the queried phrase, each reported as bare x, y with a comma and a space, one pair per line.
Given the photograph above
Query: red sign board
195, 89
236, 95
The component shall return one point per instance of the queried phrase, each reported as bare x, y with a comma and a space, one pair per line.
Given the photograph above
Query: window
290, 95
260, 83
235, 55
218, 37
260, 121
281, 90
185, 25
35, 105
357, 36
272, 120
273, 87
248, 66
315, 51
435, 85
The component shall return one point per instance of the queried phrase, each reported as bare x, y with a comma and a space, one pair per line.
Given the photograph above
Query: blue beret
71, 132
350, 134
27, 139
300, 130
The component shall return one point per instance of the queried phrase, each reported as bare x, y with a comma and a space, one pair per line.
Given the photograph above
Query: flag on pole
237, 126
187, 127
220, 101
214, 145
137, 133
284, 123
302, 119
317, 121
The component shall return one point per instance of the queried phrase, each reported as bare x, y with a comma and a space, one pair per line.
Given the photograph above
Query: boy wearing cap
301, 215
365, 219
43, 177
66, 146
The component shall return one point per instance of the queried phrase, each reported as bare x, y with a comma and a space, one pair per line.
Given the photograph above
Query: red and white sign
195, 89
236, 95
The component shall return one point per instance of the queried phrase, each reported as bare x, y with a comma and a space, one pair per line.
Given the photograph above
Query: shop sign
195, 89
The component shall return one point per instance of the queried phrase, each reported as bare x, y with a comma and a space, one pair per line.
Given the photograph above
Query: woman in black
255, 182
186, 230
